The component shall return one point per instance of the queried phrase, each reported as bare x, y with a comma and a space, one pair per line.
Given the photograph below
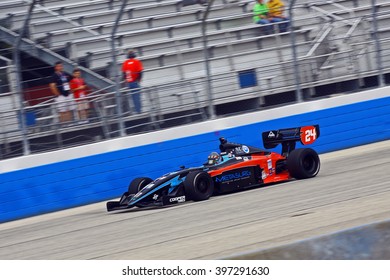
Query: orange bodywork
261, 160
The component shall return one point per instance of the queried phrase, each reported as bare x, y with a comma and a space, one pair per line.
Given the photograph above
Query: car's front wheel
138, 184
303, 163
198, 186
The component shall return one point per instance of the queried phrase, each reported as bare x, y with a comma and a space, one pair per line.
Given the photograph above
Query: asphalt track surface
353, 188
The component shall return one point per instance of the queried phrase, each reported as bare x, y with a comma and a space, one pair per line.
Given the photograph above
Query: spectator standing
260, 16
79, 89
132, 69
59, 85
275, 14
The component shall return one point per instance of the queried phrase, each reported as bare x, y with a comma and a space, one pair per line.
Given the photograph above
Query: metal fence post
18, 79
116, 70
298, 90
209, 90
378, 48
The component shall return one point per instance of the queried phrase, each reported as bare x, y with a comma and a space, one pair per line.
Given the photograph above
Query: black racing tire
138, 184
198, 186
303, 163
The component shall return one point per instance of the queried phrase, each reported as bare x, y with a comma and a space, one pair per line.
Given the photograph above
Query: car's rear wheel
303, 163
198, 186
138, 184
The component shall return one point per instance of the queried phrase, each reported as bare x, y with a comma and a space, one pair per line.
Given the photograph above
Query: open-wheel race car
235, 167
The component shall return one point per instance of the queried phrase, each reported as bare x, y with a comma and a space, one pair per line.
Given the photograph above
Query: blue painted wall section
100, 177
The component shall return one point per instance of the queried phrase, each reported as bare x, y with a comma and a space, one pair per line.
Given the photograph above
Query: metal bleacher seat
44, 10
384, 32
344, 7
82, 6
148, 44
61, 32
98, 21
189, 30
244, 57
9, 6
218, 46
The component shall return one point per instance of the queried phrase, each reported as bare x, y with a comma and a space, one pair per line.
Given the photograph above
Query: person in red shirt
79, 89
132, 69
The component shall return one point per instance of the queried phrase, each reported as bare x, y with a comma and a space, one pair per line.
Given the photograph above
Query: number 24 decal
308, 135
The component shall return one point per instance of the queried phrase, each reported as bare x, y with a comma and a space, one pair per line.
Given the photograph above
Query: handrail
353, 27
64, 18
330, 14
327, 28
86, 2
351, 11
49, 55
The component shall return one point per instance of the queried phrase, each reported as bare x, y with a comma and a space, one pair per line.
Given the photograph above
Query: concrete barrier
367, 242
63, 179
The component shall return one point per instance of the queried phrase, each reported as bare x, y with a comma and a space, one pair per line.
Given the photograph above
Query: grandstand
334, 41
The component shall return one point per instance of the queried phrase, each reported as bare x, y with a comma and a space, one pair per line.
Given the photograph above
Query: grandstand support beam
211, 109
378, 47
298, 90
18, 70
116, 72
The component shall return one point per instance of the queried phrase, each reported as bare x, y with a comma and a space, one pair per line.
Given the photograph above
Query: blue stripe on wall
100, 177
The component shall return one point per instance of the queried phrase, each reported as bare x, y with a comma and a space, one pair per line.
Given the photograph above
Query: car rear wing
289, 136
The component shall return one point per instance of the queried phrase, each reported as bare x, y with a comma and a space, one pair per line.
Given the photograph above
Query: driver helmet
213, 158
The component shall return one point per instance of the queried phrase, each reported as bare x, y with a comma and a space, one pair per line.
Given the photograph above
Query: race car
235, 167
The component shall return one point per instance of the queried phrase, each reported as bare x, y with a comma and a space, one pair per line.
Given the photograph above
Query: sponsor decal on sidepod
233, 176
